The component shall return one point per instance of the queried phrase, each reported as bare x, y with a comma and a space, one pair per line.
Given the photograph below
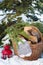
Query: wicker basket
36, 48
36, 51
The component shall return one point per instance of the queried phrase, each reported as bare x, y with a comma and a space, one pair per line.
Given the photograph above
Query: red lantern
6, 52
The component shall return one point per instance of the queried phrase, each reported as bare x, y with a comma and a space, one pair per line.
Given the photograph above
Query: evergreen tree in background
23, 6
20, 7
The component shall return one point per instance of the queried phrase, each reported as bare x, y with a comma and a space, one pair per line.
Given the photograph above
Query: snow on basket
31, 46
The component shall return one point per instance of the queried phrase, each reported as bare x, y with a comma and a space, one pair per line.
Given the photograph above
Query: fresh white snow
24, 48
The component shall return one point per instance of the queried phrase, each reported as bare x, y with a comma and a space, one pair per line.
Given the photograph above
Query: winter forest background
18, 13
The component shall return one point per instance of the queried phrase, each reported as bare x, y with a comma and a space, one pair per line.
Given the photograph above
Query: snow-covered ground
15, 60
